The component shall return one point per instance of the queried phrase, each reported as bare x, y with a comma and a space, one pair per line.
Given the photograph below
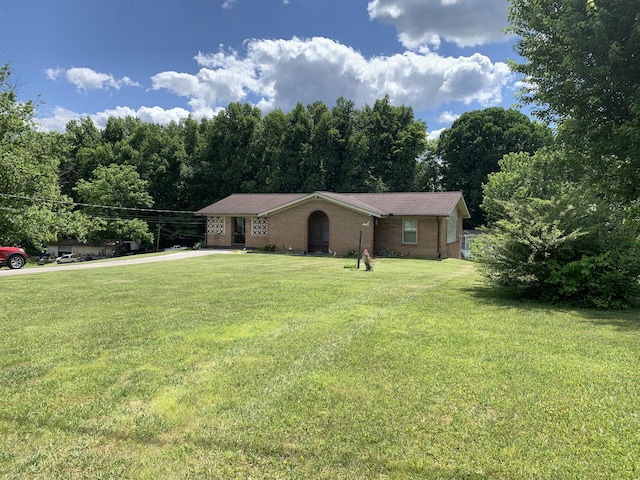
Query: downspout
439, 252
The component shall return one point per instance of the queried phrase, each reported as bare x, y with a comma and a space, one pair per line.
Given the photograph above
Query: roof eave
315, 196
463, 204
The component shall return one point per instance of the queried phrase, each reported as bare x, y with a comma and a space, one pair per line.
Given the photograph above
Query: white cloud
447, 117
54, 73
146, 114
86, 79
435, 134
58, 120
61, 116
280, 73
127, 82
426, 22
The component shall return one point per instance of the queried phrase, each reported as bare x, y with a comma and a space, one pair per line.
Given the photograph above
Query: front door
318, 232
238, 231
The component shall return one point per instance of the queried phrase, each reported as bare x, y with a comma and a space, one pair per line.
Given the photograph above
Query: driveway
119, 261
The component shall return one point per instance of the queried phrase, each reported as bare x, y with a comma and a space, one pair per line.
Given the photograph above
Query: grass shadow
487, 295
625, 320
442, 474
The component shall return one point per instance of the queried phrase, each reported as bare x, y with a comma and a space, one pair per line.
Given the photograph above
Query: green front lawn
269, 366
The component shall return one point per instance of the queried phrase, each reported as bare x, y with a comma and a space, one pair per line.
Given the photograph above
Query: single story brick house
412, 224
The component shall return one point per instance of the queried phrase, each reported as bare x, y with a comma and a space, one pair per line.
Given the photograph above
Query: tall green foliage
582, 62
309, 148
228, 162
566, 226
428, 176
395, 141
292, 160
343, 142
159, 162
82, 153
471, 148
322, 155
32, 209
121, 189
553, 239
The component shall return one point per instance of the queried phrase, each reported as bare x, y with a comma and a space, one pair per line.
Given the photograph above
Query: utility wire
77, 204
186, 220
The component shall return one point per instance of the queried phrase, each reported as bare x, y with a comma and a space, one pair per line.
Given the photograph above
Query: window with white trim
410, 231
259, 227
215, 225
452, 227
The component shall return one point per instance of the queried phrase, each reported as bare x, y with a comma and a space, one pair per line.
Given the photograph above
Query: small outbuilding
83, 249
414, 224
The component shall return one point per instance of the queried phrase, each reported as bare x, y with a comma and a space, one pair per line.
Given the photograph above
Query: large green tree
295, 160
272, 131
194, 145
33, 211
582, 65
160, 155
112, 198
322, 155
82, 153
471, 148
428, 176
228, 160
394, 142
342, 168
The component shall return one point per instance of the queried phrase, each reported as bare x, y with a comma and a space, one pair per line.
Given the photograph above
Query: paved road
180, 255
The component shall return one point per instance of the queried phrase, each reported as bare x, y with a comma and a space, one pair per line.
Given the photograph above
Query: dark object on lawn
368, 262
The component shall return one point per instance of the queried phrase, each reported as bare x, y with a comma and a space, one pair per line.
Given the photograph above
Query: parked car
175, 247
12, 257
44, 259
66, 258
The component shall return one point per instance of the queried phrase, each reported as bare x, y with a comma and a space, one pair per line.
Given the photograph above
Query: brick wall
289, 228
220, 240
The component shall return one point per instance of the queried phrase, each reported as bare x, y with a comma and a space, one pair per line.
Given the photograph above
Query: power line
166, 232
185, 218
155, 220
77, 204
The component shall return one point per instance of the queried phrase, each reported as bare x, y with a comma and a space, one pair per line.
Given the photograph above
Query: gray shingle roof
249, 203
378, 204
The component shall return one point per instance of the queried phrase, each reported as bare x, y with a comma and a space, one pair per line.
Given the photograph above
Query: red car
12, 257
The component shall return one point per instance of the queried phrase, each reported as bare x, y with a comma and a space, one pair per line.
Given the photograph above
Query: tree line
190, 164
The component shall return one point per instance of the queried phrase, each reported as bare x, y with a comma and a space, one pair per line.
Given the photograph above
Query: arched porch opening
318, 232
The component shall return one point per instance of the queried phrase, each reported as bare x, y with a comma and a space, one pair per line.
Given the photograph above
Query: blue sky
162, 60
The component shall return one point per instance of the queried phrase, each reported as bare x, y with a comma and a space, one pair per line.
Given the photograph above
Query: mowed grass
276, 367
